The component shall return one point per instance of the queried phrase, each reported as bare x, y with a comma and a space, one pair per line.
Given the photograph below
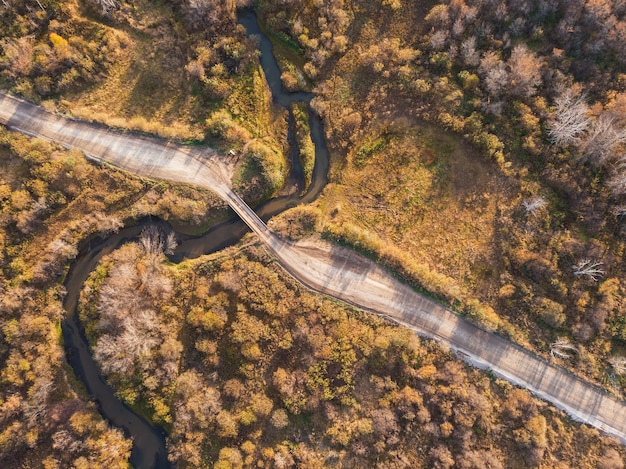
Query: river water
149, 449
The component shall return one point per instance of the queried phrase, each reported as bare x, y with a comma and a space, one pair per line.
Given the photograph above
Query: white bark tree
601, 140
570, 119
562, 349
533, 205
589, 269
618, 364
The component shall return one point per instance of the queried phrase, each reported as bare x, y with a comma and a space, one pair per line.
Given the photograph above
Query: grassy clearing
430, 218
145, 89
436, 202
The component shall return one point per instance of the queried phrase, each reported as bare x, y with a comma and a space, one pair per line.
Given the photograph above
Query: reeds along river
149, 448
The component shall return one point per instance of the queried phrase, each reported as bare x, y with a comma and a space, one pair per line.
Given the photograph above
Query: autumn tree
494, 73
524, 71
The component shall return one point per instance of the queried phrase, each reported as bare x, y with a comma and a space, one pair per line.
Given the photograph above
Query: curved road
329, 269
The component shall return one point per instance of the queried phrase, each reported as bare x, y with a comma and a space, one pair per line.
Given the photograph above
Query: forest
477, 152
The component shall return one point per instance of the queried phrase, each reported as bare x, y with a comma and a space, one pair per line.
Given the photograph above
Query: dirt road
149, 157
330, 269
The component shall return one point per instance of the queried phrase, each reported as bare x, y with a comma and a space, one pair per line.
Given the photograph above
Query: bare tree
37, 406
438, 40
570, 119
155, 242
469, 52
562, 349
106, 6
170, 243
589, 269
207, 13
535, 204
151, 240
524, 71
494, 73
618, 364
20, 55
458, 28
67, 442
139, 335
617, 182
601, 139
132, 334
107, 224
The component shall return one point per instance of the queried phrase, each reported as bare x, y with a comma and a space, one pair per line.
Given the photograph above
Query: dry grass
145, 89
438, 201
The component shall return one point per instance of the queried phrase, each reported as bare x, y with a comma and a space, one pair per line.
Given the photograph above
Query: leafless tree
458, 28
518, 27
535, 204
62, 250
617, 181
438, 40
106, 6
40, 205
207, 13
151, 240
37, 406
618, 364
20, 55
132, 334
117, 352
155, 242
494, 73
601, 139
65, 441
469, 52
589, 269
170, 243
107, 224
562, 349
570, 119
524, 71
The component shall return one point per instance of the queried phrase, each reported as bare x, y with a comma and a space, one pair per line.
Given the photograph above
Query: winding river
149, 449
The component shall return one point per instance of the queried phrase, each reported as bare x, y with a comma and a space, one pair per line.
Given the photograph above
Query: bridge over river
326, 268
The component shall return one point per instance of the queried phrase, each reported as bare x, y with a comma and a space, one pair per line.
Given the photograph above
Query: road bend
330, 269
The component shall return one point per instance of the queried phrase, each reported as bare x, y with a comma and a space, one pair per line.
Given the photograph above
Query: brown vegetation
168, 69
258, 370
537, 87
272, 375
48, 204
51, 200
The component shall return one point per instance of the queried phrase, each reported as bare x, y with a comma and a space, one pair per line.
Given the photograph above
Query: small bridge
328, 269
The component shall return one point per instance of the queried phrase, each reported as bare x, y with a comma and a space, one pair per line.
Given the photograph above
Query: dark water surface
149, 450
